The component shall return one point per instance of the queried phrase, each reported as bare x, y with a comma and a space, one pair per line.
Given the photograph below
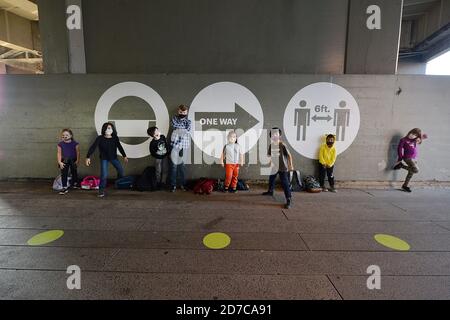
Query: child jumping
327, 159
232, 153
159, 151
407, 154
281, 163
107, 143
68, 157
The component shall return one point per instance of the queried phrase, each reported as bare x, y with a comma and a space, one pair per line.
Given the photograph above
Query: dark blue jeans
104, 171
284, 177
177, 173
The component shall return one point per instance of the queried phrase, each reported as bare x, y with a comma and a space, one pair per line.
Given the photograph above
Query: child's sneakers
324, 189
64, 191
233, 191
288, 203
332, 189
101, 194
407, 189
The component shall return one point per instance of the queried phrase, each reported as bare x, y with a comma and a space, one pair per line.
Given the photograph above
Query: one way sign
222, 107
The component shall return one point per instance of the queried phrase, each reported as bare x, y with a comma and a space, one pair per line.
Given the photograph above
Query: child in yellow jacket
327, 158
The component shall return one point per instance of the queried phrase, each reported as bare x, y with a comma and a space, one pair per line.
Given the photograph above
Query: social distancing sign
317, 110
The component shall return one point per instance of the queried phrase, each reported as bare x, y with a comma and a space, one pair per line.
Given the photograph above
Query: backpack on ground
147, 181
125, 183
204, 186
311, 185
220, 186
295, 180
90, 183
57, 183
242, 185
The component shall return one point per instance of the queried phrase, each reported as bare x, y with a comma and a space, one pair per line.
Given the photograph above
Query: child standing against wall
407, 155
281, 164
327, 159
232, 153
68, 157
159, 151
180, 142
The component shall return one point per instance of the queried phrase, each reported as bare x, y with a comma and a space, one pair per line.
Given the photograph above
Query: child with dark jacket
159, 150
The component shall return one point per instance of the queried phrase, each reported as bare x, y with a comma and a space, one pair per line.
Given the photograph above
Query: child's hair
151, 131
183, 107
105, 126
273, 129
415, 131
67, 130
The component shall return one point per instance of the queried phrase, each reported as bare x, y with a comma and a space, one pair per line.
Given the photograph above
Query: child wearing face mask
108, 144
232, 154
407, 155
68, 157
158, 150
327, 159
281, 163
180, 141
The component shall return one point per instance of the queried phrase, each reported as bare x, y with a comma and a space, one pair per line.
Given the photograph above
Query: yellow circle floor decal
392, 242
45, 237
216, 240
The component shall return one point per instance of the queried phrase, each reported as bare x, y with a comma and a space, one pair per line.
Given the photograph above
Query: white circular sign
133, 128
220, 108
317, 110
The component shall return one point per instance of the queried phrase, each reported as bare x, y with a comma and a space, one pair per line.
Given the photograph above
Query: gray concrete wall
204, 36
373, 51
33, 110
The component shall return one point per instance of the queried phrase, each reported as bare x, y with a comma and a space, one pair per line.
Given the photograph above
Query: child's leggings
231, 175
411, 167
69, 165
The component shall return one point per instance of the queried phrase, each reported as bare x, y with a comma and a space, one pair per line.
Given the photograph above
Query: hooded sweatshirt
327, 156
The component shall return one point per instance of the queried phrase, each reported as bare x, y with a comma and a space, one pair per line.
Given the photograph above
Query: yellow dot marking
392, 242
216, 240
45, 237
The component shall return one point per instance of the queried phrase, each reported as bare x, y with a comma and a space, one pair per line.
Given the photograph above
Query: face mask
330, 144
182, 116
109, 132
67, 138
232, 140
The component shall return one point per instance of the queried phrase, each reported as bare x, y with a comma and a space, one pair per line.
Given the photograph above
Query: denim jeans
284, 177
177, 174
104, 171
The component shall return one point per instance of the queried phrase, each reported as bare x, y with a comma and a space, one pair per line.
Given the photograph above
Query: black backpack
147, 181
296, 181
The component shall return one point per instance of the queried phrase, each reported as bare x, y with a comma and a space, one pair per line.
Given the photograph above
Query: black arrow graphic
244, 119
327, 118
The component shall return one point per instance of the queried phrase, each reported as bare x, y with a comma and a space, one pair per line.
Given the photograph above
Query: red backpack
204, 186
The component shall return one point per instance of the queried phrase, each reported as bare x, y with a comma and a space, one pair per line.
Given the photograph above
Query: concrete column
77, 56
373, 51
54, 37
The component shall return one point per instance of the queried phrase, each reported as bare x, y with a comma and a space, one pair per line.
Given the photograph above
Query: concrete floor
149, 245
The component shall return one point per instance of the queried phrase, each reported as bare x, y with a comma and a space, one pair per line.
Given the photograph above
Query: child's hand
223, 165
88, 162
61, 165
125, 159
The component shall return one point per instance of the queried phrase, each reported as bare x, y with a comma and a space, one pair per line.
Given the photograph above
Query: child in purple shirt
407, 154
68, 157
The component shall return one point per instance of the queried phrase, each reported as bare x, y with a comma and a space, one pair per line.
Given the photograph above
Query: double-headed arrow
327, 118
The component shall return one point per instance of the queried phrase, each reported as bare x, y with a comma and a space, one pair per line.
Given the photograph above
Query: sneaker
64, 191
182, 188
225, 190
101, 194
76, 186
332, 189
172, 189
268, 193
324, 189
406, 188
233, 191
288, 204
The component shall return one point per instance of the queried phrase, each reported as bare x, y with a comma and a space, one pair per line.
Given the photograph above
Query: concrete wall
33, 110
373, 51
204, 36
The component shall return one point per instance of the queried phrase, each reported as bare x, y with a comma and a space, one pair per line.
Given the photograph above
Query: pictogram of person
302, 120
341, 120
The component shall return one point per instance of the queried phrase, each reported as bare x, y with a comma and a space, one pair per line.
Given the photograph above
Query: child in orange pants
232, 154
